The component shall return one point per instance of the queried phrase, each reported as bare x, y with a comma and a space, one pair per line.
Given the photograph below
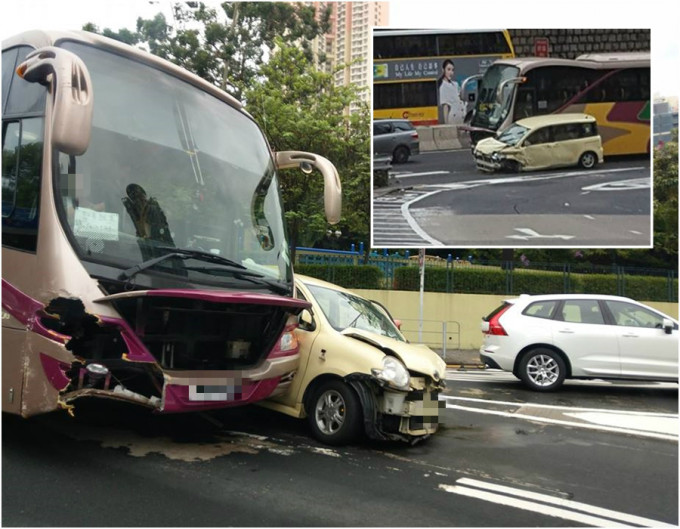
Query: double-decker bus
612, 87
144, 251
408, 65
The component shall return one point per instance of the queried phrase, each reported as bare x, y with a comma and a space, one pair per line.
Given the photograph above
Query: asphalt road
504, 456
444, 201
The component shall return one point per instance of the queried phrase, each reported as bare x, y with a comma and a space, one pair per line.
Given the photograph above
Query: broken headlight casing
393, 372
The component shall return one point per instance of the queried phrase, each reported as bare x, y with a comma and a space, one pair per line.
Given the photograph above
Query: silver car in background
397, 138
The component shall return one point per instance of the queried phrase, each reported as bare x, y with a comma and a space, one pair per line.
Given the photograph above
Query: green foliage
666, 200
300, 108
493, 280
348, 276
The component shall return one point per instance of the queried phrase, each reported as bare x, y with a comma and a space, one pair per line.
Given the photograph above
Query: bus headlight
393, 372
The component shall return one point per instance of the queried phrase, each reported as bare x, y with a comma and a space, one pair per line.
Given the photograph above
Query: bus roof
42, 38
595, 61
389, 32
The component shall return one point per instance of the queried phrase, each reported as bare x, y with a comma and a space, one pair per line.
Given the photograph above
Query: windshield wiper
180, 253
203, 255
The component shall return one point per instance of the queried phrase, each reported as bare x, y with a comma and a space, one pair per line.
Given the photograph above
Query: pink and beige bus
144, 251
612, 87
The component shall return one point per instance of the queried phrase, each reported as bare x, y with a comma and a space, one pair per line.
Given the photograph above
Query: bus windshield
489, 112
171, 166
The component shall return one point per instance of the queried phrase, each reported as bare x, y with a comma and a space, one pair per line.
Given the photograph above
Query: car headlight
497, 157
393, 372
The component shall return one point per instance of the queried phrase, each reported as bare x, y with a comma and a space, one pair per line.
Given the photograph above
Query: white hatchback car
543, 340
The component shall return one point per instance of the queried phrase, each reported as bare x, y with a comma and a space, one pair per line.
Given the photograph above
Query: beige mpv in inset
542, 142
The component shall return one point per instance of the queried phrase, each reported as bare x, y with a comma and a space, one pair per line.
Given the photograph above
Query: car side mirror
72, 98
306, 161
668, 326
306, 321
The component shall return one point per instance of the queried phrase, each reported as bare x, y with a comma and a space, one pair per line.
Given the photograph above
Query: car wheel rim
543, 370
330, 412
588, 161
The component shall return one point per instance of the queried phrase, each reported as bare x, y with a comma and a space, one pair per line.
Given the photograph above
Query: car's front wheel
334, 413
400, 155
542, 369
588, 160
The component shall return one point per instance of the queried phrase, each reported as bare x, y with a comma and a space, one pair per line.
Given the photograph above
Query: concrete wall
465, 309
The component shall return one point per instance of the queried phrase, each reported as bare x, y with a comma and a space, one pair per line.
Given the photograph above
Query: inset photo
511, 138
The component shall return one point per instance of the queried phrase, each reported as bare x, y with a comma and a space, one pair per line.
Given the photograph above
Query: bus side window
22, 149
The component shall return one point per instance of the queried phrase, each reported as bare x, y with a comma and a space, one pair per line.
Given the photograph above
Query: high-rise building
348, 40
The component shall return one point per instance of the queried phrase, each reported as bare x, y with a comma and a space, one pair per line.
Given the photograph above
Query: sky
657, 15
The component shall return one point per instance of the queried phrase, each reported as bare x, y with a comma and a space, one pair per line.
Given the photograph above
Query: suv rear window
541, 309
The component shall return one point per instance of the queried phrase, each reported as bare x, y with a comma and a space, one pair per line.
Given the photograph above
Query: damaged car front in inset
542, 142
358, 373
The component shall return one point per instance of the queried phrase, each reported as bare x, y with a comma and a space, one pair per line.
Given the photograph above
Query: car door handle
630, 335
566, 331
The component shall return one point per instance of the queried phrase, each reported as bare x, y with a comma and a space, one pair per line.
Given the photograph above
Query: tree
226, 46
300, 109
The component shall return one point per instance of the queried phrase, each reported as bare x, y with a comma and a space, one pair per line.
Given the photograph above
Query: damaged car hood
490, 145
416, 357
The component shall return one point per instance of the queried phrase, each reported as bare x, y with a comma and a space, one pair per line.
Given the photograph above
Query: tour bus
612, 87
144, 252
407, 65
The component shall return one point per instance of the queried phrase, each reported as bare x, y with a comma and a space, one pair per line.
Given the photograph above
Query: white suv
544, 339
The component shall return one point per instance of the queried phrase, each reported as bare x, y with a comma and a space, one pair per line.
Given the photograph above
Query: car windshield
513, 134
346, 311
489, 112
170, 166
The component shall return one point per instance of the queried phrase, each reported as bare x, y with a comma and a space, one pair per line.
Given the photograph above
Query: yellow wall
466, 309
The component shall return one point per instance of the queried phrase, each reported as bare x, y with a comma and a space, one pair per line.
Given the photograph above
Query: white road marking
412, 222
411, 175
621, 185
667, 425
590, 514
532, 234
662, 424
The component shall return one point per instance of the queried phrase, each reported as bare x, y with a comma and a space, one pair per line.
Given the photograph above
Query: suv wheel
588, 160
542, 369
334, 413
400, 154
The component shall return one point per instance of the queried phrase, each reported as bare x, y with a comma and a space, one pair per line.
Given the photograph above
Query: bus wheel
588, 160
400, 155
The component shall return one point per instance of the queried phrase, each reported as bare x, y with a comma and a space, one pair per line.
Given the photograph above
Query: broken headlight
393, 372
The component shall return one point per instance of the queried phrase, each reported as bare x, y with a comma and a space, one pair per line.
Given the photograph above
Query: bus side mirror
332, 188
72, 98
668, 326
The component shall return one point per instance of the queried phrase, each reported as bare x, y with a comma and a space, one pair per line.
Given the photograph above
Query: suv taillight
414, 135
495, 326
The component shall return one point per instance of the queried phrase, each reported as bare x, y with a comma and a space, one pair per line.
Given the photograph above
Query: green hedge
494, 280
348, 276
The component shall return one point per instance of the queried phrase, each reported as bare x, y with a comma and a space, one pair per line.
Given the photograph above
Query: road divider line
428, 173
567, 408
562, 502
560, 422
412, 222
531, 506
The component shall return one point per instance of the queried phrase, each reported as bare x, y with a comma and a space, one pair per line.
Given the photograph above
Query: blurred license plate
214, 393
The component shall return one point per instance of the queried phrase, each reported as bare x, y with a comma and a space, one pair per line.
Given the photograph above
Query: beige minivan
358, 375
542, 142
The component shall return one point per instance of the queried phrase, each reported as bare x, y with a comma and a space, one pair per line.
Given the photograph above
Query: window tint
629, 315
381, 128
541, 309
8, 61
23, 97
538, 136
403, 126
22, 148
553, 86
581, 311
402, 95
632, 84
397, 46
